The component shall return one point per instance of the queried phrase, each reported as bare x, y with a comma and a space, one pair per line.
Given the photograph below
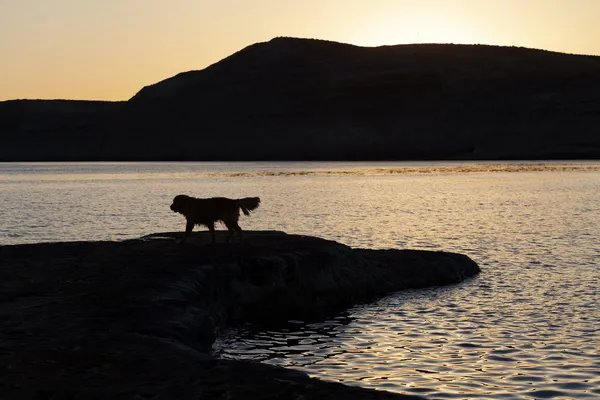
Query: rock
138, 317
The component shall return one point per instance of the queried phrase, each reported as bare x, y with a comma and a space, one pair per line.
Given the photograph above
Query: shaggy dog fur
208, 211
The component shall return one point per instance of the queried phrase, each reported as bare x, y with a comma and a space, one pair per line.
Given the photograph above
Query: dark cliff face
312, 99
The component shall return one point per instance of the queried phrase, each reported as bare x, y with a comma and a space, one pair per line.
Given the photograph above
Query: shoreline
99, 319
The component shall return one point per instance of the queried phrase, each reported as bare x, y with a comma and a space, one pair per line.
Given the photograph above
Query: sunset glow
415, 28
111, 49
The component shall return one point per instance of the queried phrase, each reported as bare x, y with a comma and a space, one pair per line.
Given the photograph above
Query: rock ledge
137, 318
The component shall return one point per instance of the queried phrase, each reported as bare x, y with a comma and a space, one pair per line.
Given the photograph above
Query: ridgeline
304, 99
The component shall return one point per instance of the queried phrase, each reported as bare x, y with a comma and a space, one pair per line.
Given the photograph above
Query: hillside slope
312, 99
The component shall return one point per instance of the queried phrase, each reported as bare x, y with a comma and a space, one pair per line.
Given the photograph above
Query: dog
208, 211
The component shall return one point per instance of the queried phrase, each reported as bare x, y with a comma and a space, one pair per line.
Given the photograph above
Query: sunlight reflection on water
525, 328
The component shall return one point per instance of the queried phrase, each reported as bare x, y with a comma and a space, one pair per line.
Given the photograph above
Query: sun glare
420, 28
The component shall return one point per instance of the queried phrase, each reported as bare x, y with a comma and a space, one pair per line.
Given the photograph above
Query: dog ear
179, 199
182, 203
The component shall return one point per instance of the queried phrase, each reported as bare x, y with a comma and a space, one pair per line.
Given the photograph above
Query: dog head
179, 203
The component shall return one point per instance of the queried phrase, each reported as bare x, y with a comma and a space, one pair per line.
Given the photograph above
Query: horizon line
307, 39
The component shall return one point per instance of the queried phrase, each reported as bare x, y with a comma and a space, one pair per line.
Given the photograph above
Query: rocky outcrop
301, 99
138, 317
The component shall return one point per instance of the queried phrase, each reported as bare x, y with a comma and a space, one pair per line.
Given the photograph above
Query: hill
306, 99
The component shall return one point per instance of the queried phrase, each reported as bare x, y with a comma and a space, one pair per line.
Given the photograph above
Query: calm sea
526, 327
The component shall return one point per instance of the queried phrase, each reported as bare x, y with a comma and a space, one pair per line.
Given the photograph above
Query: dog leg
188, 229
231, 228
234, 227
211, 228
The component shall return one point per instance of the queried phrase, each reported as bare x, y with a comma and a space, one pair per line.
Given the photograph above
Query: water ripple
526, 328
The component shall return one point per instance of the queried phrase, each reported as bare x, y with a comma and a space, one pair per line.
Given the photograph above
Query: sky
110, 49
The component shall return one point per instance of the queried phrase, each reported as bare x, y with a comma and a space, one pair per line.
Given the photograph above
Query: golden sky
109, 49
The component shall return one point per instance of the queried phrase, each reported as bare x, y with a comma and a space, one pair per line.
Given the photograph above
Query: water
527, 327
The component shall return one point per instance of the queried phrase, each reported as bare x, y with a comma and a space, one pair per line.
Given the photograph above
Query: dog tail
248, 204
